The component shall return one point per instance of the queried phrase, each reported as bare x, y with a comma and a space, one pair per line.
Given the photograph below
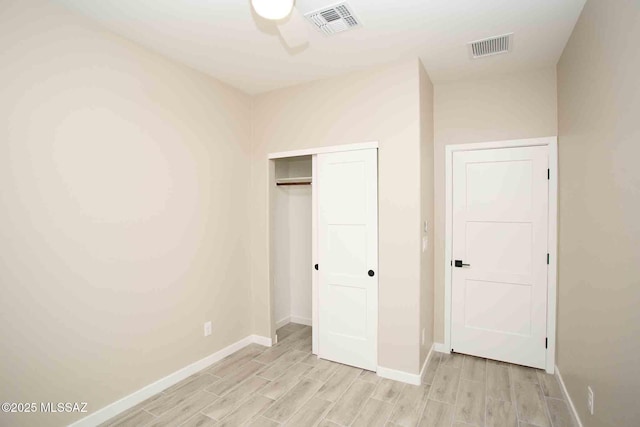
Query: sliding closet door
348, 257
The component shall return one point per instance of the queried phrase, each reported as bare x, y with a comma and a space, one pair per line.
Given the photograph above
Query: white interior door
500, 226
347, 185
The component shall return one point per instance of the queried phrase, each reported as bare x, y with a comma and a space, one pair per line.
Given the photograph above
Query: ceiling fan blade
295, 30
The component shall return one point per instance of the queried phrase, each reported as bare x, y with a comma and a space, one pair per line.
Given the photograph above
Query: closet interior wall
292, 243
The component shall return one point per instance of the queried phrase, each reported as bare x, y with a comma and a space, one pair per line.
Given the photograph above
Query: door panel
347, 250
500, 216
499, 190
510, 254
514, 316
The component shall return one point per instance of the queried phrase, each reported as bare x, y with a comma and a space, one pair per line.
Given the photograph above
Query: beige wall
123, 180
599, 242
512, 106
426, 213
376, 105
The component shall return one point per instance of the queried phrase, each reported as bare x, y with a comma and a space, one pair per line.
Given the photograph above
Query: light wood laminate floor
287, 385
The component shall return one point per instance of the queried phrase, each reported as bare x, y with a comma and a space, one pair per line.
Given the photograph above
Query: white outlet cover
207, 329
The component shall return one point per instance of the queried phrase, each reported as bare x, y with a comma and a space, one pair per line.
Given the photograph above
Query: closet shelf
299, 180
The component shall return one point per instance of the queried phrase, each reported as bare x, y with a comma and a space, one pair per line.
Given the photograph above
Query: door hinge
547, 259
546, 342
548, 173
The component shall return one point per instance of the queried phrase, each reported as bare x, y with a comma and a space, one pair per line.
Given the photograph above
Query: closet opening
292, 264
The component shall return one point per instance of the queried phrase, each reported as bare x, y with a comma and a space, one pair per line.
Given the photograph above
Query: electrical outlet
590, 399
207, 328
422, 336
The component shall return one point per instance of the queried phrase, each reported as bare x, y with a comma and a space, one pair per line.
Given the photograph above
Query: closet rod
293, 183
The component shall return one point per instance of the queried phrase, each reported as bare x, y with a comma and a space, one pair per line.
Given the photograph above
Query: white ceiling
225, 39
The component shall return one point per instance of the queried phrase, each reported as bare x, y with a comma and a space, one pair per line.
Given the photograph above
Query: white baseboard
119, 406
301, 320
574, 413
406, 377
440, 348
280, 323
426, 361
403, 377
259, 339
293, 319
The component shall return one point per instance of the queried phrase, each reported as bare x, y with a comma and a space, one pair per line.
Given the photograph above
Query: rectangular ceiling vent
334, 19
491, 46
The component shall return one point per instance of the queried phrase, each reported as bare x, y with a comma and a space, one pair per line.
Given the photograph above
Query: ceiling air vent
491, 46
333, 19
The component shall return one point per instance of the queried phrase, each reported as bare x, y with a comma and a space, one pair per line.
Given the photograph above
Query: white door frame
321, 150
552, 243
314, 228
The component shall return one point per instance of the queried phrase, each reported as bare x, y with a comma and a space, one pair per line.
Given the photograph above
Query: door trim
323, 150
552, 238
315, 319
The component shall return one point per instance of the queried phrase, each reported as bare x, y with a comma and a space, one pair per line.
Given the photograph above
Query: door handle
371, 273
458, 263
